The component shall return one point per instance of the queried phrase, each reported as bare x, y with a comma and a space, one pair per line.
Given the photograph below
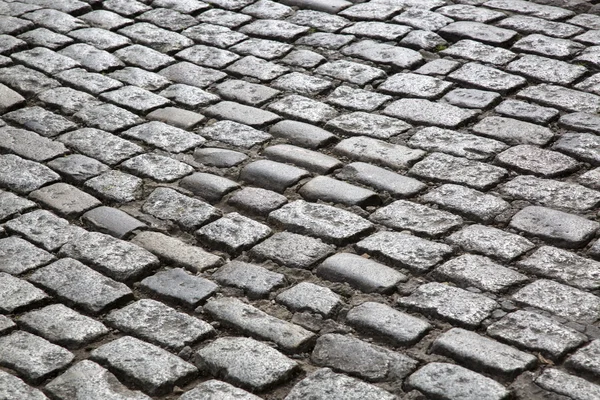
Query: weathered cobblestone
512, 131
560, 97
179, 287
17, 294
235, 134
425, 112
311, 297
331, 190
208, 186
257, 201
254, 280
363, 148
219, 157
456, 143
292, 250
467, 202
18, 256
491, 242
45, 229
234, 232
10, 385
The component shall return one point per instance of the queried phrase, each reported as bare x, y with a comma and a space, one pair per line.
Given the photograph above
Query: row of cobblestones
299, 199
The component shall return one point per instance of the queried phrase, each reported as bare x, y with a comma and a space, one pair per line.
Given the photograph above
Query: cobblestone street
299, 200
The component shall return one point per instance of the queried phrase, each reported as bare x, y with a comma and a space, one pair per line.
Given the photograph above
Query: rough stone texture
112, 221
24, 176
491, 242
447, 381
382, 321
456, 305
153, 369
86, 378
359, 272
246, 362
251, 320
179, 287
293, 250
366, 149
169, 204
234, 233
468, 202
531, 159
65, 199
254, 280
403, 250
557, 227
425, 112
155, 322
18, 256
217, 390
31, 356
11, 386
381, 179
535, 332
17, 294
323, 384
569, 385
310, 297
512, 131
586, 359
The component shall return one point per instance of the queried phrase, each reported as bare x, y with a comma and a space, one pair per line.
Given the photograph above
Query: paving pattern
299, 199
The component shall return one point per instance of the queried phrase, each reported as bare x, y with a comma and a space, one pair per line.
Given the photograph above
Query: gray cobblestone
31, 356
447, 381
385, 322
246, 92
267, 9
45, 38
526, 24
267, 49
512, 131
77, 167
467, 202
325, 40
383, 53
547, 46
274, 29
350, 71
254, 280
303, 58
477, 31
235, 134
311, 160
311, 297
100, 145
179, 287
29, 144
476, 271
420, 111
560, 300
256, 200
377, 30
330, 190
39, 120
156, 38
302, 134
303, 108
90, 379
144, 57
272, 175
585, 359
26, 81
105, 19
372, 150
324, 383
112, 221
556, 227
472, 98
191, 74
536, 10
223, 17
67, 100
233, 233
45, 60
292, 250
325, 222
487, 78
153, 369
381, 179
535, 332
44, 229
209, 187
456, 143
546, 69
560, 97
107, 117
157, 167
113, 185
404, 251
61, 325
12, 386
357, 99
252, 321
246, 362
475, 51
359, 272
18, 256
65, 199
177, 117
241, 113
17, 294
565, 384
214, 35
590, 179
449, 303
189, 95
584, 146
491, 242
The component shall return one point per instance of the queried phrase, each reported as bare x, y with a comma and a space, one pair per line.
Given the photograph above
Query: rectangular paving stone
513, 131
143, 57
470, 270
293, 250
16, 294
257, 68
45, 229
585, 360
257, 201
331, 190
65, 199
80, 285
11, 204
23, 176
491, 242
112, 221
563, 266
18, 256
31, 356
477, 31
450, 303
475, 51
561, 300
176, 252
303, 108
241, 113
208, 186
155, 322
366, 149
445, 168
10, 385
556, 227
91, 82
583, 146
112, 185
551, 193
534, 332
157, 167
546, 69
67, 100
307, 296
246, 362
468, 202
117, 258
361, 359
381, 179
35, 82
415, 85
92, 58
366, 124
456, 143
39, 120
527, 8
235, 134
86, 378
214, 35
526, 24
404, 251
382, 321
383, 53
169, 204
179, 287
483, 354
191, 74
45, 60
107, 117
359, 272
245, 92
547, 46
189, 96
233, 233
135, 99
302, 134
156, 38
164, 136
350, 71
252, 321
357, 99
63, 326
254, 280
215, 389
311, 160
101, 145
569, 385
324, 383
447, 381
403, 214
425, 112
149, 367
297, 82
487, 78
472, 98
328, 223
561, 97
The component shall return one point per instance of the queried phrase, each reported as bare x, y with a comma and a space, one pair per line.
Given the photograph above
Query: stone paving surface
299, 199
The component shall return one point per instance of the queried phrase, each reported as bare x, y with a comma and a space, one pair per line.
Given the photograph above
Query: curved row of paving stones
299, 199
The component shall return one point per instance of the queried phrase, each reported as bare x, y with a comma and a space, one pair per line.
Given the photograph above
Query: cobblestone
491, 242
208, 186
18, 256
12, 386
44, 229
254, 280
456, 143
257, 201
235, 134
112, 221
112, 185
17, 294
292, 250
513, 131
425, 112
233, 232
363, 148
179, 287
311, 297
